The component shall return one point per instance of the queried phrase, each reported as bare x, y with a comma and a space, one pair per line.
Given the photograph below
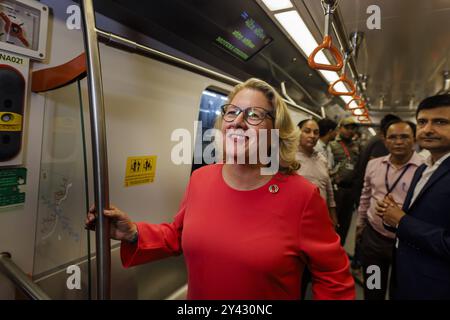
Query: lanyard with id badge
389, 189
348, 165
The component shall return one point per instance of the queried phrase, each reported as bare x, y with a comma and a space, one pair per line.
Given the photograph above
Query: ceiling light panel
299, 32
358, 112
275, 5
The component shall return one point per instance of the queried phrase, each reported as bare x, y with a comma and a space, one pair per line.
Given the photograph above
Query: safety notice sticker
140, 170
12, 182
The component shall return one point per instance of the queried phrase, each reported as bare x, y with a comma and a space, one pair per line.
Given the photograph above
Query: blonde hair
288, 131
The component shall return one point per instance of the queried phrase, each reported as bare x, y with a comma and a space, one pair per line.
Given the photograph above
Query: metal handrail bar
20, 278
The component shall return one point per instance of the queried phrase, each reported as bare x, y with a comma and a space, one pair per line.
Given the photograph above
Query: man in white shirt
422, 255
327, 133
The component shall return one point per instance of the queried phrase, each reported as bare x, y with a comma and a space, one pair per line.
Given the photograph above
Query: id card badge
349, 166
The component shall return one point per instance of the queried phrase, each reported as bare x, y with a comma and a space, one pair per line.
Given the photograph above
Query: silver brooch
273, 188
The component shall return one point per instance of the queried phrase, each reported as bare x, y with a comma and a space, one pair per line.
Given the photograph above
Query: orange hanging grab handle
361, 107
364, 119
326, 44
364, 112
359, 101
343, 79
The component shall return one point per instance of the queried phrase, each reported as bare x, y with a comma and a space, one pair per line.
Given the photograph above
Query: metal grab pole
99, 151
20, 279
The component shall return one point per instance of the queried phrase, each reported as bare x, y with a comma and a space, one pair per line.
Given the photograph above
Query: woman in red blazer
246, 233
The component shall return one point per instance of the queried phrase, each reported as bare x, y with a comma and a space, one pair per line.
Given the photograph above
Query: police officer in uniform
346, 154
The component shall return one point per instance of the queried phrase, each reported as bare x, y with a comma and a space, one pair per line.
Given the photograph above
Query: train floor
350, 249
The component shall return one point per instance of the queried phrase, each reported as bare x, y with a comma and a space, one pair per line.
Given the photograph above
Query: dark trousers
375, 249
345, 201
306, 279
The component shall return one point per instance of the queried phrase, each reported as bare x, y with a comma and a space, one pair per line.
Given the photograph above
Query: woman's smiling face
241, 138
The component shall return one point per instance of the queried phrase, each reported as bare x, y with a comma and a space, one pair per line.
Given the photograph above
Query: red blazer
249, 244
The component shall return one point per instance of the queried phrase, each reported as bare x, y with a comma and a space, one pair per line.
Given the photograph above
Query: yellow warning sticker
10, 121
140, 170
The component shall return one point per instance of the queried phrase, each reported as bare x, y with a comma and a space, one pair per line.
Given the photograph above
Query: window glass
210, 104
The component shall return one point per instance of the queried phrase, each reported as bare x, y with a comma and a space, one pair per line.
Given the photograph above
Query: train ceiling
404, 60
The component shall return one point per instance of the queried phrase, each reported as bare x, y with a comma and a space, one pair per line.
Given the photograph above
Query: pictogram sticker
140, 170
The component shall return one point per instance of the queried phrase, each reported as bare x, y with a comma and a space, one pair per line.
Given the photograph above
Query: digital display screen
243, 39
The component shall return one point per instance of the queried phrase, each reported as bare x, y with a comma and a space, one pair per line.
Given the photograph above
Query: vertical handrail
99, 150
86, 190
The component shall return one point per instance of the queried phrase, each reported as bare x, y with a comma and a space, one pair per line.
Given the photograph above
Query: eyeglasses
252, 115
